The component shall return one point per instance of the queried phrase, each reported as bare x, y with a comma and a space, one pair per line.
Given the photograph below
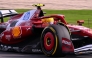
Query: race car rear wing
7, 13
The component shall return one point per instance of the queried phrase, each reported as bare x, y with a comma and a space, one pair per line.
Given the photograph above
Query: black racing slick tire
51, 40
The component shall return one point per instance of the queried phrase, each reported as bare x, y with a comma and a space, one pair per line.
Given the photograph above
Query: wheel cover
48, 41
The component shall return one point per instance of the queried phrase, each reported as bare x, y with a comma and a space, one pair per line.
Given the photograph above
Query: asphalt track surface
21, 55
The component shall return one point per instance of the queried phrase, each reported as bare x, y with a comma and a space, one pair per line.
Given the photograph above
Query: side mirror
37, 23
44, 12
80, 22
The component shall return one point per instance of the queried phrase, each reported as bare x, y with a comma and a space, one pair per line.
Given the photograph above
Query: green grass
71, 16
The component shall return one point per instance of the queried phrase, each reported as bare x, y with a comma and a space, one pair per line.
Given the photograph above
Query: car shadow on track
26, 55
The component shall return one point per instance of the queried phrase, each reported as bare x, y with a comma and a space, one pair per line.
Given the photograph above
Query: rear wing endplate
7, 13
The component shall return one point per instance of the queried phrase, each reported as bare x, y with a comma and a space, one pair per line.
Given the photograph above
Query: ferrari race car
33, 32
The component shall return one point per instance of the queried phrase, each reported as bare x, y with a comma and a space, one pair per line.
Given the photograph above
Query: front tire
51, 40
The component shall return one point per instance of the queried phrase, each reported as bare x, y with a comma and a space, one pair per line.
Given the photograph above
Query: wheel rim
49, 41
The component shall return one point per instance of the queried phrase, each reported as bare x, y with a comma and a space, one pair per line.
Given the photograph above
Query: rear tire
51, 40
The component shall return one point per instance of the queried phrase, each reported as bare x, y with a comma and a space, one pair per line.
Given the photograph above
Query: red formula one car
32, 32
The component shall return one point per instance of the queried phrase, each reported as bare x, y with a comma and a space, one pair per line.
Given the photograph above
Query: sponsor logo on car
66, 42
8, 37
36, 50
